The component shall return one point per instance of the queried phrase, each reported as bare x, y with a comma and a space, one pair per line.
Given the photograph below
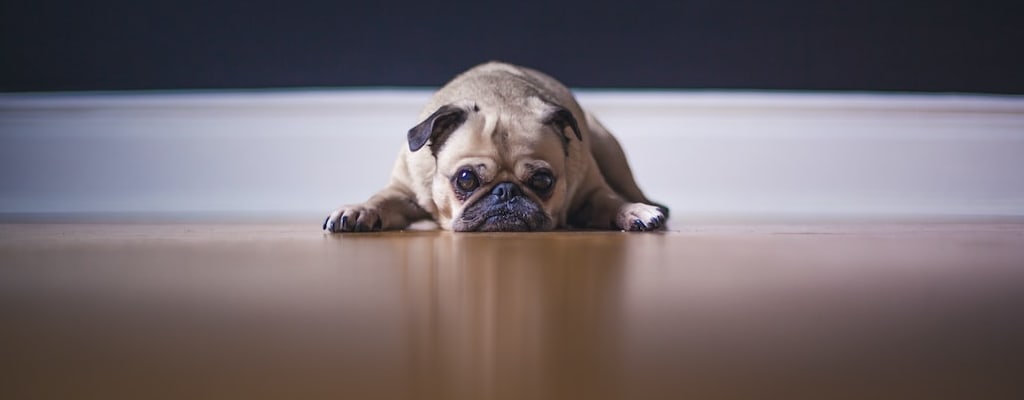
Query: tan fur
504, 138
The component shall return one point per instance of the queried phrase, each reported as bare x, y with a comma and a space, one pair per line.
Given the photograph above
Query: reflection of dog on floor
506, 148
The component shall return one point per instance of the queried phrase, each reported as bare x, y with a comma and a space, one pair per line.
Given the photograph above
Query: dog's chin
504, 223
503, 218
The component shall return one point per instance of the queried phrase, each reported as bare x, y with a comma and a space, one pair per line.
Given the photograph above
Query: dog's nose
505, 191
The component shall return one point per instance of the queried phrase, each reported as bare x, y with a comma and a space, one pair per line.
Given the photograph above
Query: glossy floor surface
202, 310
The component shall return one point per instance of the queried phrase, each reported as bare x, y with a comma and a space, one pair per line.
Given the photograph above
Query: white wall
699, 152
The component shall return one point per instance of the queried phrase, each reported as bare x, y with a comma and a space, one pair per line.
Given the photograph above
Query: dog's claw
354, 219
638, 225
639, 217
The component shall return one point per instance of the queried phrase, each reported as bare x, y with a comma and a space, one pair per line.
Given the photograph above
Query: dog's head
500, 167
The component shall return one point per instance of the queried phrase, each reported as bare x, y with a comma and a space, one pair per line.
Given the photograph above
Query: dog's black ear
561, 118
436, 127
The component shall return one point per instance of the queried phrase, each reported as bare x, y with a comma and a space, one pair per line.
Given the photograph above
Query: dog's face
499, 168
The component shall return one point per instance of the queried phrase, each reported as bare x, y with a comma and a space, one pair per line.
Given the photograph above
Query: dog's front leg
605, 209
390, 209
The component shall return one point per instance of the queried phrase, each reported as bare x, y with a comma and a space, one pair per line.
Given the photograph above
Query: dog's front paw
359, 218
640, 217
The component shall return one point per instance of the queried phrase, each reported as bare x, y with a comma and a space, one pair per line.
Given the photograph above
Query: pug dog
506, 148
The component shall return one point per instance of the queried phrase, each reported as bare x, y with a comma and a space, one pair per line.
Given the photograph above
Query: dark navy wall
876, 45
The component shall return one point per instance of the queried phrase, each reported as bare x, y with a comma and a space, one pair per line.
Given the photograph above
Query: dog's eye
542, 181
466, 180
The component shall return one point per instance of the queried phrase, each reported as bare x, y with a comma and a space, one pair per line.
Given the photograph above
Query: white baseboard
699, 152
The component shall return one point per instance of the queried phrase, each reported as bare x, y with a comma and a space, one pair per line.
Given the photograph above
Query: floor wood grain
735, 310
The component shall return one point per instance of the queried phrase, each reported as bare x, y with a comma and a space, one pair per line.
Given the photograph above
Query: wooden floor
739, 310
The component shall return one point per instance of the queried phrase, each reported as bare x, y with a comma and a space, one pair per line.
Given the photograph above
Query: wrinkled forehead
505, 135
529, 138
520, 131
